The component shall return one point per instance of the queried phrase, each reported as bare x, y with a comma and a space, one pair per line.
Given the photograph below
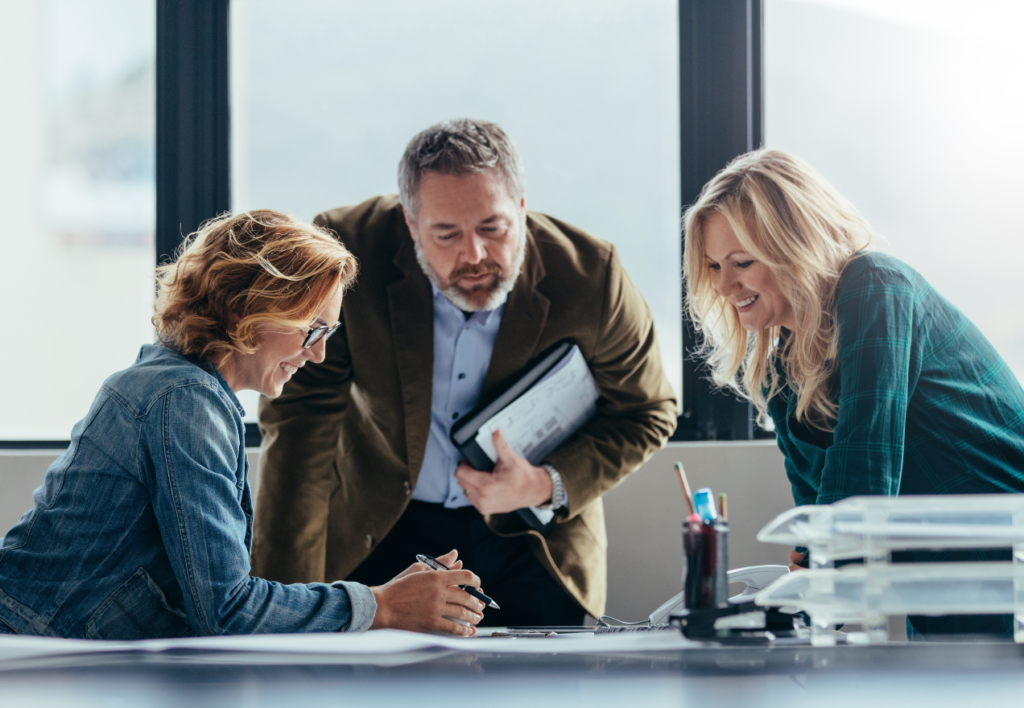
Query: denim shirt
143, 527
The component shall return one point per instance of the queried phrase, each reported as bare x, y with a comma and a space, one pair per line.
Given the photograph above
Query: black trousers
509, 572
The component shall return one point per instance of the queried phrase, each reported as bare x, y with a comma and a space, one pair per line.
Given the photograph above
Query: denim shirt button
369, 541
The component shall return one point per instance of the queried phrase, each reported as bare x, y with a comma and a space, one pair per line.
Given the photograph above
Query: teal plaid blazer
926, 405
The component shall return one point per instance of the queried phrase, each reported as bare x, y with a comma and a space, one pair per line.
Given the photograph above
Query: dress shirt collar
485, 316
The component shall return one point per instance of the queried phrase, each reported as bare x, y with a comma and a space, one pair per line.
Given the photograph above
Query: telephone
755, 577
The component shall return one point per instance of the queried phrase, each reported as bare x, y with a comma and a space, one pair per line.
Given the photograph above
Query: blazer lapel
410, 304
522, 322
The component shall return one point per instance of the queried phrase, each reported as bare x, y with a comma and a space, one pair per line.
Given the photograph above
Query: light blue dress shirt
462, 354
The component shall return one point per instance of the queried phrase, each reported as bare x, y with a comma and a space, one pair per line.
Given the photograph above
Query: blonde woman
143, 527
876, 384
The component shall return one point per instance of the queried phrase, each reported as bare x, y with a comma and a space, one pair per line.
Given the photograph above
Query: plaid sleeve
878, 371
803, 492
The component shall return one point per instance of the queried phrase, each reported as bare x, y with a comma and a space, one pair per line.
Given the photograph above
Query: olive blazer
343, 444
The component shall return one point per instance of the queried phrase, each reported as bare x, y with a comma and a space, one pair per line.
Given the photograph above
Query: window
78, 195
325, 95
911, 109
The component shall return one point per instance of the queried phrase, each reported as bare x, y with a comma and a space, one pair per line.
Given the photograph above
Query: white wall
645, 513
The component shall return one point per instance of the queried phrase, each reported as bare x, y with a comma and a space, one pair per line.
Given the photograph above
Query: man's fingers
467, 477
501, 446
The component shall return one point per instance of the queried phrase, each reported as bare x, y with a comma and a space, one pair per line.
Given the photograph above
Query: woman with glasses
143, 527
876, 384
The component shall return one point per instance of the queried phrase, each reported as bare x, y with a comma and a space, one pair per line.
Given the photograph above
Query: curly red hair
246, 271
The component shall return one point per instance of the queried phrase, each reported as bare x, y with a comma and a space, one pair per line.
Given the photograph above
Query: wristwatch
559, 499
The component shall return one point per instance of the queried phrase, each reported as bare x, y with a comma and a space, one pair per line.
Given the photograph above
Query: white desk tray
867, 595
859, 526
849, 594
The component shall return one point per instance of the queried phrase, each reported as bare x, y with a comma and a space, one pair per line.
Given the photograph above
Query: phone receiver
755, 577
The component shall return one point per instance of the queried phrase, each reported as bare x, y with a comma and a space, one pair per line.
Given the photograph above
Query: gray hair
458, 147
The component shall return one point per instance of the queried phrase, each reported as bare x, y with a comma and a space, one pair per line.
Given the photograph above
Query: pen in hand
437, 565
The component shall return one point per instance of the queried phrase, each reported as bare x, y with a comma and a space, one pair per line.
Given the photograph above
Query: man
460, 288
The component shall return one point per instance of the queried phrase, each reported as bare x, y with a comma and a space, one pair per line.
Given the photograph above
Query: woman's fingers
449, 558
461, 577
796, 560
414, 568
425, 600
457, 629
460, 612
461, 598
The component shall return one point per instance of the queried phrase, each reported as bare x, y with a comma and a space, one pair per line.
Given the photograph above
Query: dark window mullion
721, 117
193, 181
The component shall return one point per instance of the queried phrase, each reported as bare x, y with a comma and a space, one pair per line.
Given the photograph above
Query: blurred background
909, 107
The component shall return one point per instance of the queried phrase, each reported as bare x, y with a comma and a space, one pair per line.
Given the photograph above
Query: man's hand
423, 600
514, 483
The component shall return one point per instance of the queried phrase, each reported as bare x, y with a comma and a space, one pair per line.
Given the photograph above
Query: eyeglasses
317, 333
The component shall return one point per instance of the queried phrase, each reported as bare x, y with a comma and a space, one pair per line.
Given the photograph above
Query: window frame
721, 115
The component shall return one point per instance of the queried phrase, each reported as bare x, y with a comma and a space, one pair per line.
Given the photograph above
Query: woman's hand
797, 561
429, 600
447, 559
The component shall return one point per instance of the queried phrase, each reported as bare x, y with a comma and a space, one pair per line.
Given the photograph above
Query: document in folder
548, 403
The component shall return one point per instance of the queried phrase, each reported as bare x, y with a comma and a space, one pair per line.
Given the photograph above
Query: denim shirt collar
162, 350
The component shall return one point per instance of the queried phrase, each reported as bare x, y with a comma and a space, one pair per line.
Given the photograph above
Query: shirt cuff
363, 603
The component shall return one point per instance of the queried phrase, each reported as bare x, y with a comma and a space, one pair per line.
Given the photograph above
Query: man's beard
477, 299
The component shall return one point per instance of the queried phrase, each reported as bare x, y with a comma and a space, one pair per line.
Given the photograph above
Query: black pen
438, 565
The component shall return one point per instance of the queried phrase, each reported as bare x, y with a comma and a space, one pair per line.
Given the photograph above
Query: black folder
463, 434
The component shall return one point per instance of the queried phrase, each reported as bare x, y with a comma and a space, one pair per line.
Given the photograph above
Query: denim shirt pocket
137, 610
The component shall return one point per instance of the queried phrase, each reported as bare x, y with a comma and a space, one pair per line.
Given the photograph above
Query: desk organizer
871, 528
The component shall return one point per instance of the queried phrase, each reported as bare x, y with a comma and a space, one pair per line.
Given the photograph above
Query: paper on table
387, 641
14, 646
542, 418
575, 643
375, 648
378, 643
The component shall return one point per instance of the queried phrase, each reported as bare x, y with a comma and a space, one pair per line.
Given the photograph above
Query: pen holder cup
705, 564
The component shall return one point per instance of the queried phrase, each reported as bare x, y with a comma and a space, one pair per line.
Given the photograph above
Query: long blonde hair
241, 272
792, 220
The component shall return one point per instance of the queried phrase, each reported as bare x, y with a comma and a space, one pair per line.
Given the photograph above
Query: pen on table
438, 565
